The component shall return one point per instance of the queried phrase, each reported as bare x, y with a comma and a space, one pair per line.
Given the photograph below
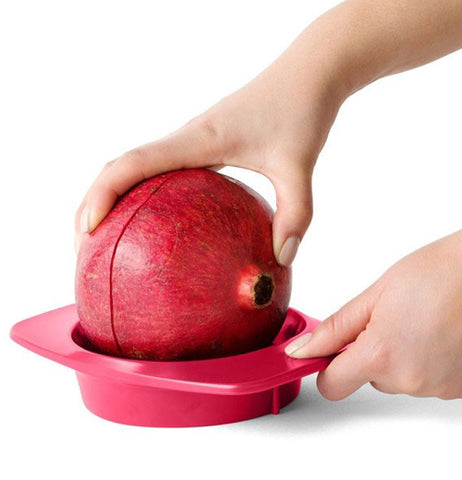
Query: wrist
317, 65
310, 80
362, 41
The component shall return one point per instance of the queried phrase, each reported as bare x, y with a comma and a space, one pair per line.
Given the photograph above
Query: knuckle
337, 326
412, 382
381, 387
391, 376
445, 396
447, 392
377, 357
131, 158
109, 164
334, 325
211, 136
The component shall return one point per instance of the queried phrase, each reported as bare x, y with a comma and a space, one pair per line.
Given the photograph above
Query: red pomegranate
182, 268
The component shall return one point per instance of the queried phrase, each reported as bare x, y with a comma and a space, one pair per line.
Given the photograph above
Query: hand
274, 125
278, 123
406, 329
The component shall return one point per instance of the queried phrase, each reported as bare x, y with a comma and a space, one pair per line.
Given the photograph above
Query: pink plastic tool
173, 394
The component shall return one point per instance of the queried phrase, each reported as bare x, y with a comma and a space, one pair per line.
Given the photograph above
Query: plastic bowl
173, 394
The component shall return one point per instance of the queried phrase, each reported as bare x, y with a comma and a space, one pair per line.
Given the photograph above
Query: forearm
360, 41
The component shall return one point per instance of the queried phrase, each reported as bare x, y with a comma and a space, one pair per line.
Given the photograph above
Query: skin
407, 325
406, 329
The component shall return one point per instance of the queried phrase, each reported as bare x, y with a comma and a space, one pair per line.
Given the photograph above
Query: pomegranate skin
182, 268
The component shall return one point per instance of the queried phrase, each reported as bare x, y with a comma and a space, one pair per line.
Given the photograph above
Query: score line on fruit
182, 268
182, 311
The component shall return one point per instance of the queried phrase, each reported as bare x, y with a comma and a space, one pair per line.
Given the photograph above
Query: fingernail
288, 251
297, 344
85, 220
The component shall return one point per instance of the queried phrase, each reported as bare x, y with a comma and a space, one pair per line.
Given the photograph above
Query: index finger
197, 144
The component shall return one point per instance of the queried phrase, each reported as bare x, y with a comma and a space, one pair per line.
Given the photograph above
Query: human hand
278, 123
406, 329
274, 125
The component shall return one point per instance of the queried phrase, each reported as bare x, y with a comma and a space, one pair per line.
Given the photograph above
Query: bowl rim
52, 335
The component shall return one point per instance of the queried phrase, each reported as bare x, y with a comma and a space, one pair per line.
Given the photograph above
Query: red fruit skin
168, 274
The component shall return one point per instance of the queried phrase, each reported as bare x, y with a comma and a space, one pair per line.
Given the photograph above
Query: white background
81, 83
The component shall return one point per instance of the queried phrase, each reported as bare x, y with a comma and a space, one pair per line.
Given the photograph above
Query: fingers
345, 374
294, 210
337, 331
200, 143
352, 368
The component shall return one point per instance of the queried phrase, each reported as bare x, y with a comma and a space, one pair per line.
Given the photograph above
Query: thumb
337, 331
200, 143
348, 371
293, 213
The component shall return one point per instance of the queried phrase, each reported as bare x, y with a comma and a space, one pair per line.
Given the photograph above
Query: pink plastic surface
173, 394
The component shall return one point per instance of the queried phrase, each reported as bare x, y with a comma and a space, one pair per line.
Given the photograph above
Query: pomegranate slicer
173, 394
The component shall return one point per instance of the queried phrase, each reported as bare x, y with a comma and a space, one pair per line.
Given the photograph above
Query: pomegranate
182, 268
